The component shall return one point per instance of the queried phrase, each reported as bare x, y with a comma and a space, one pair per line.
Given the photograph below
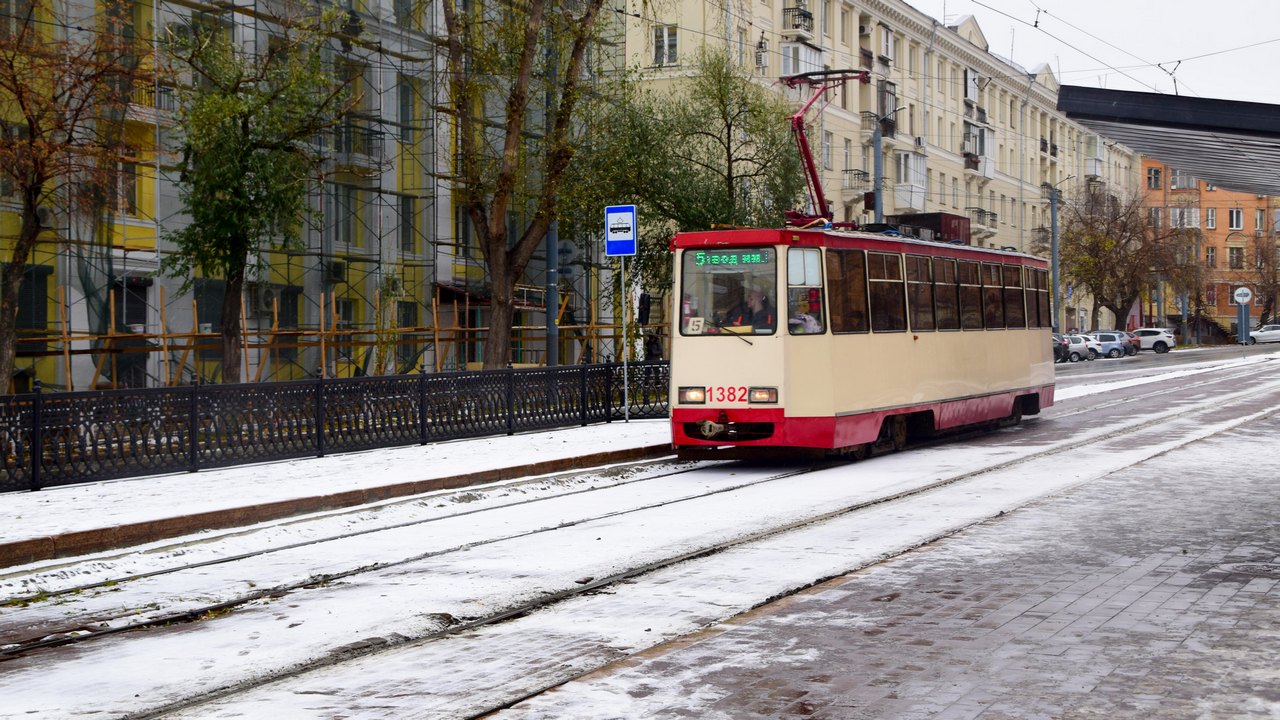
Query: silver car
1266, 333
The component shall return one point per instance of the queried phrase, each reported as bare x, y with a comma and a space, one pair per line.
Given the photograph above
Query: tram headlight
693, 395
762, 395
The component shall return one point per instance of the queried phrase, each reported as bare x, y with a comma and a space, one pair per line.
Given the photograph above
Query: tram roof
1229, 143
827, 237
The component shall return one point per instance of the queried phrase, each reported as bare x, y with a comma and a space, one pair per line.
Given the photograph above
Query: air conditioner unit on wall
262, 297
864, 29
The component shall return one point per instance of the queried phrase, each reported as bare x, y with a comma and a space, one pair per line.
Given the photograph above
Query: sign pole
1242, 296
620, 241
626, 340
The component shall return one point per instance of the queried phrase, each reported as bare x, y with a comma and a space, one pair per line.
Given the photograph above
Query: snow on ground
178, 660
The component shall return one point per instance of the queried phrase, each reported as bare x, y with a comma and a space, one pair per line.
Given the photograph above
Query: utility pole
877, 149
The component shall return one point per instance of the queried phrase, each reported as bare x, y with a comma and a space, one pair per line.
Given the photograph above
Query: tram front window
729, 291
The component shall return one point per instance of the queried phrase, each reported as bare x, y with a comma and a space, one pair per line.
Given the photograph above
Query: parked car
1061, 348
1157, 339
1134, 344
1266, 333
1078, 348
1114, 344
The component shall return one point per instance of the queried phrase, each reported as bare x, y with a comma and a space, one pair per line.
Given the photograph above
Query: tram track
1233, 404
147, 611
1212, 418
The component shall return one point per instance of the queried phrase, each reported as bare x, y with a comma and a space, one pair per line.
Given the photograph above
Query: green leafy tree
62, 101
248, 119
506, 65
714, 149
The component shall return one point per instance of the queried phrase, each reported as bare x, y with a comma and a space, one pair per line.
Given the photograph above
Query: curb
82, 542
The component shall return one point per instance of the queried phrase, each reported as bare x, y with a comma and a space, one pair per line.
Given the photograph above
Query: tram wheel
898, 432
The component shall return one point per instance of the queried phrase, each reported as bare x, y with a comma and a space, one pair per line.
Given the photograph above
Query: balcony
357, 146
979, 165
797, 22
888, 125
982, 223
908, 197
855, 181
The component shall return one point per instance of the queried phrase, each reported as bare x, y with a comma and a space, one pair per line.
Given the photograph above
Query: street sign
1243, 295
620, 230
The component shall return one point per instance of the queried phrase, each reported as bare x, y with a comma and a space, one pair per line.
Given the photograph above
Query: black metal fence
49, 439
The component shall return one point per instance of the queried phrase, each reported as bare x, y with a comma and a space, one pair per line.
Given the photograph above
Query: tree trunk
497, 347
231, 328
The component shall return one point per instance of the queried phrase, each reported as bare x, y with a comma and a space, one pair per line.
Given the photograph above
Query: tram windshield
729, 291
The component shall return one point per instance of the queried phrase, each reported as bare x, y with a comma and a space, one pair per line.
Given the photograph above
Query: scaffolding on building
385, 264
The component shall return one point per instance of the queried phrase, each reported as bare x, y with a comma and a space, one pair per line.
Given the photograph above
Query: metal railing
51, 439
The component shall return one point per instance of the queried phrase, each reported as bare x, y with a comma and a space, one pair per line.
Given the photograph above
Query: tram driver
756, 312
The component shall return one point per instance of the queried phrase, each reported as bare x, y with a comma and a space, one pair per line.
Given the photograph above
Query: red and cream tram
831, 341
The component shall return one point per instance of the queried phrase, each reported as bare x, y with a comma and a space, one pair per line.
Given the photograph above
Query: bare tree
63, 94
508, 172
1110, 245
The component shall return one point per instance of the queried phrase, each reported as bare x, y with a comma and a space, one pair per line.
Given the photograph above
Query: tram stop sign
619, 230
1242, 296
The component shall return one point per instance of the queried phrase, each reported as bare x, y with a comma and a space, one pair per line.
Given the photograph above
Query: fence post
37, 437
511, 402
320, 413
608, 392
582, 397
422, 405
193, 426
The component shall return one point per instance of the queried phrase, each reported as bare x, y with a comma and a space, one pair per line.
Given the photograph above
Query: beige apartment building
964, 131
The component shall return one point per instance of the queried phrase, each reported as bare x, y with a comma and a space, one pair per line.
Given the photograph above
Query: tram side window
804, 291
888, 303
992, 297
1015, 304
1045, 318
920, 292
946, 294
847, 288
970, 295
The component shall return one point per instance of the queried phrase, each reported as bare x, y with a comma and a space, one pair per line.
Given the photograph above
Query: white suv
1158, 339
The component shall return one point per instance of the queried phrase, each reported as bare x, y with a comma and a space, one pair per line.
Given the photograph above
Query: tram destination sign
757, 256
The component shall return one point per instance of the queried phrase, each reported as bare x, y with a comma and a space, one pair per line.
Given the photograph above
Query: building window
888, 43
799, 58
1184, 217
665, 49
1211, 257
1259, 219
1153, 179
408, 225
827, 140
1181, 180
1235, 219
845, 26
1155, 217
1211, 218
1235, 258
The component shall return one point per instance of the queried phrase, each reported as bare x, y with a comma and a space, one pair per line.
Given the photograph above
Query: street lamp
877, 186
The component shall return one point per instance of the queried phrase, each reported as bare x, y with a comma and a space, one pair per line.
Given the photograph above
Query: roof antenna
1171, 74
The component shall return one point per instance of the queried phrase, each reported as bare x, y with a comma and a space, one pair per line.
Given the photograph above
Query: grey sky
1229, 49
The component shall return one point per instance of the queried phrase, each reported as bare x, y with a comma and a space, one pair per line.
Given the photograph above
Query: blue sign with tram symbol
619, 230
